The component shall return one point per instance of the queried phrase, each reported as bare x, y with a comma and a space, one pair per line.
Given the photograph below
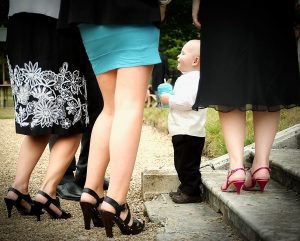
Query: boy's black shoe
171, 194
184, 198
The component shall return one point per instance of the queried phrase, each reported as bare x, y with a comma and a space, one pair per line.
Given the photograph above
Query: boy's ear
196, 61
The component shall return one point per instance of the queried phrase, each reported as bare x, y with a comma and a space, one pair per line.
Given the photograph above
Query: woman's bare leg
60, 158
130, 93
265, 127
233, 125
99, 146
30, 152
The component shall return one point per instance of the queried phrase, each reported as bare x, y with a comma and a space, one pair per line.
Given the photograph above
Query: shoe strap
93, 194
128, 217
20, 196
258, 169
231, 172
119, 208
50, 200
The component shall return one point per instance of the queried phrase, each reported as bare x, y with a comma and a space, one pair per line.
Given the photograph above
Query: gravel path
155, 151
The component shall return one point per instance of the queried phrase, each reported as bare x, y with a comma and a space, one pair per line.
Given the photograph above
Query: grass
215, 145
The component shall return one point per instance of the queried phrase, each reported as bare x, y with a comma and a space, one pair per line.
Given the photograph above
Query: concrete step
272, 215
285, 165
190, 222
269, 216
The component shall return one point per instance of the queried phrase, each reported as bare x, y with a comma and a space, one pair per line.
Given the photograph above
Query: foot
69, 191
234, 175
175, 193
90, 209
21, 201
51, 204
123, 214
256, 173
113, 212
184, 198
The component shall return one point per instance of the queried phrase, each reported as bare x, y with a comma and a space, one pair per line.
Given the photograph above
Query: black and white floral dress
47, 76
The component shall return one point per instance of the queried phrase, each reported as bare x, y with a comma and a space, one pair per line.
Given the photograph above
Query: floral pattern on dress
43, 98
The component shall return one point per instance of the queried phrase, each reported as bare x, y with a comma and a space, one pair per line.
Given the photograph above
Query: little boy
186, 126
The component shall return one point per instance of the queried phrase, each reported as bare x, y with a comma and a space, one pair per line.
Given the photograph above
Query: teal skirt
118, 46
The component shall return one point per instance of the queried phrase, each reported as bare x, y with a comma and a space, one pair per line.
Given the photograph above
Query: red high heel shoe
238, 183
262, 182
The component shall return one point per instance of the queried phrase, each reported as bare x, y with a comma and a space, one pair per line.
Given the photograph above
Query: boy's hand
164, 98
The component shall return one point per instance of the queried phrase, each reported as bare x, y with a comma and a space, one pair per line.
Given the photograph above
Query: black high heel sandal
90, 211
109, 218
17, 203
46, 206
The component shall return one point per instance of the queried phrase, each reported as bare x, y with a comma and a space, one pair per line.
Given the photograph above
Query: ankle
237, 173
260, 173
21, 188
86, 197
107, 207
233, 166
259, 162
123, 214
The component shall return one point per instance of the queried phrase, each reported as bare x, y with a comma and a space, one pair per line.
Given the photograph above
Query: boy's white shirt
182, 120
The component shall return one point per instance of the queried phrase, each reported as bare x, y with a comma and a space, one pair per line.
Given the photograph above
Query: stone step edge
232, 215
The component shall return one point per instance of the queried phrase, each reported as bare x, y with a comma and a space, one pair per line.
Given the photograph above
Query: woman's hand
195, 11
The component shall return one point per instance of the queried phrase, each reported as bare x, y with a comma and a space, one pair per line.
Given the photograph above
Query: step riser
286, 179
230, 217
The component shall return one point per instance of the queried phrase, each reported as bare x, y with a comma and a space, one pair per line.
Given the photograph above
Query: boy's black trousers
187, 158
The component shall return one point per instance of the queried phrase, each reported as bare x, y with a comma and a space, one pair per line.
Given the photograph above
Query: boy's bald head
189, 57
194, 46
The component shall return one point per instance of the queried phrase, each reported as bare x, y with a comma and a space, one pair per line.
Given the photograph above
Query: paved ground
155, 152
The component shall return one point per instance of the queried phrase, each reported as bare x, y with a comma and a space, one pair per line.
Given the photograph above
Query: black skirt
47, 73
109, 12
248, 56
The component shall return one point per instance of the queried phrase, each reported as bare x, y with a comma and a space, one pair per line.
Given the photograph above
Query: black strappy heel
17, 203
109, 218
46, 206
90, 211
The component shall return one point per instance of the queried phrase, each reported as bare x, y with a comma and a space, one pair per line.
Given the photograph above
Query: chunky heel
238, 186
110, 218
87, 214
90, 211
107, 219
9, 205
